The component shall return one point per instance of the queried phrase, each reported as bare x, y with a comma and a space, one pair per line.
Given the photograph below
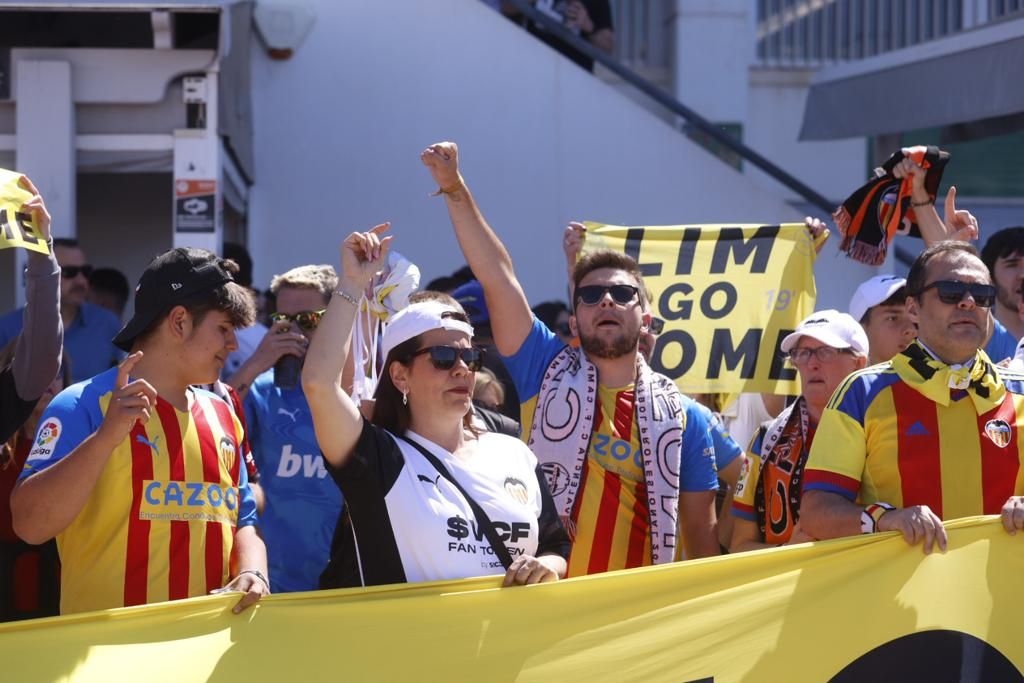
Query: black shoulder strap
482, 520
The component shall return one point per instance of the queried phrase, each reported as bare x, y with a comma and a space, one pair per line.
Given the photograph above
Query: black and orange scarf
870, 218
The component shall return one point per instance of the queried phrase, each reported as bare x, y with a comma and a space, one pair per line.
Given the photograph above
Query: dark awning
974, 77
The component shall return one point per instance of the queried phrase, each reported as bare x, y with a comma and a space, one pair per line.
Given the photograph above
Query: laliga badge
999, 432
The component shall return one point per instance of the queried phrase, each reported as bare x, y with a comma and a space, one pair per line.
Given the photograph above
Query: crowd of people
163, 458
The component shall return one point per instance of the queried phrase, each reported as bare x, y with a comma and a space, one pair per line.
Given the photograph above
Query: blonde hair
486, 379
321, 278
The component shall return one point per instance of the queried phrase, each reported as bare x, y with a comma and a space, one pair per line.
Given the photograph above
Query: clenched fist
443, 161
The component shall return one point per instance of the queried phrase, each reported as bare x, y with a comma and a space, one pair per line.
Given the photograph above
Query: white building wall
340, 126
833, 168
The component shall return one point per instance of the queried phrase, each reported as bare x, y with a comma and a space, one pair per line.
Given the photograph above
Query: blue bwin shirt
302, 502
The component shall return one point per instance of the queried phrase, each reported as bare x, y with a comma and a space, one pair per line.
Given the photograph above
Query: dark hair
230, 298
548, 312
110, 280
608, 258
389, 412
445, 283
66, 242
918, 272
1001, 244
897, 298
240, 255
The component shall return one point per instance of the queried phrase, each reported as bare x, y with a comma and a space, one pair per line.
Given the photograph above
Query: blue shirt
726, 448
1002, 345
302, 502
87, 340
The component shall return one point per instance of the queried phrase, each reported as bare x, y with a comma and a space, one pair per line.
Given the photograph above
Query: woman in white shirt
419, 476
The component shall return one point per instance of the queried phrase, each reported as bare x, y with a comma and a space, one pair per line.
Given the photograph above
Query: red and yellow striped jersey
160, 522
881, 440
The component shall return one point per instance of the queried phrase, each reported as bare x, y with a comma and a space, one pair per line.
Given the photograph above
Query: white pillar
714, 47
45, 151
198, 219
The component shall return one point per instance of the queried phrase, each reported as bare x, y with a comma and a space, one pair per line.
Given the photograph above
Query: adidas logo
918, 429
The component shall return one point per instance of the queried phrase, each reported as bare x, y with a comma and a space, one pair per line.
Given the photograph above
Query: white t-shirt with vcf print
407, 522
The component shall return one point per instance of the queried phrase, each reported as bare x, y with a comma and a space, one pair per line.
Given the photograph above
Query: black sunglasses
592, 294
307, 320
953, 291
444, 357
71, 272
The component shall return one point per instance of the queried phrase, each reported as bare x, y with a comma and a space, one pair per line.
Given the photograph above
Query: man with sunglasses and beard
933, 434
88, 328
610, 433
300, 502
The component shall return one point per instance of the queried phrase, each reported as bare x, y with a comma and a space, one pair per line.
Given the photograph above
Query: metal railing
812, 33
695, 120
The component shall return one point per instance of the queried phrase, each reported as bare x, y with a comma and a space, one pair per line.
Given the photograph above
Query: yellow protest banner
866, 608
728, 295
17, 228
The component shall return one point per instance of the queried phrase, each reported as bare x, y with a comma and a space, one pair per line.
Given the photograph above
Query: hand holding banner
728, 294
18, 226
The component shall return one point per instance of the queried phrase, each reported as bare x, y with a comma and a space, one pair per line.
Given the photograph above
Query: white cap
418, 318
873, 292
832, 328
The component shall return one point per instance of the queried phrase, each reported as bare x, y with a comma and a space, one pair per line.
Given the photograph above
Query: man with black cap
138, 474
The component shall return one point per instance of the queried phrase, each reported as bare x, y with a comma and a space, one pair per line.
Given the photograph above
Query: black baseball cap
170, 279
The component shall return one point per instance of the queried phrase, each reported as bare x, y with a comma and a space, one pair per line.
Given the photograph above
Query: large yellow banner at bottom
858, 609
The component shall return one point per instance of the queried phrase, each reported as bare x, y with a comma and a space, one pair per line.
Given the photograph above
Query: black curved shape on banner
934, 656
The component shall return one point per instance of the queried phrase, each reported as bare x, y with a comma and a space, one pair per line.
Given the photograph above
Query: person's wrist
921, 199
871, 517
450, 186
259, 575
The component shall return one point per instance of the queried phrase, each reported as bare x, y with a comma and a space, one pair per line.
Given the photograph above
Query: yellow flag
866, 608
728, 295
17, 228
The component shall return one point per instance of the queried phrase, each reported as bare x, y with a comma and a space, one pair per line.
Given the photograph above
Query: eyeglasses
306, 320
656, 326
953, 291
444, 357
71, 272
824, 354
592, 294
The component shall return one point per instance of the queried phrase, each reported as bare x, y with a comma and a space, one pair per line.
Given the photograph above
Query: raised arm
39, 346
511, 318
336, 417
959, 225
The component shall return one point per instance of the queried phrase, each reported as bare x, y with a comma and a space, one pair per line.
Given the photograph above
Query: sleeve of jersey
746, 484
375, 462
527, 365
697, 465
246, 501
838, 454
726, 448
66, 423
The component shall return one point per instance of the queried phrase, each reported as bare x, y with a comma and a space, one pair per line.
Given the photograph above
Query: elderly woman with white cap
428, 495
825, 348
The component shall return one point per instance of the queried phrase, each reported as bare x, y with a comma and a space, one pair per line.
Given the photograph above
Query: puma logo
289, 413
152, 444
427, 479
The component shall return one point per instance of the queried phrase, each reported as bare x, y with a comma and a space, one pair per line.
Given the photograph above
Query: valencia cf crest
517, 490
227, 451
999, 432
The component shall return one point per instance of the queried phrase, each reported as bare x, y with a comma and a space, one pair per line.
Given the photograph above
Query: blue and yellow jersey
160, 522
881, 440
